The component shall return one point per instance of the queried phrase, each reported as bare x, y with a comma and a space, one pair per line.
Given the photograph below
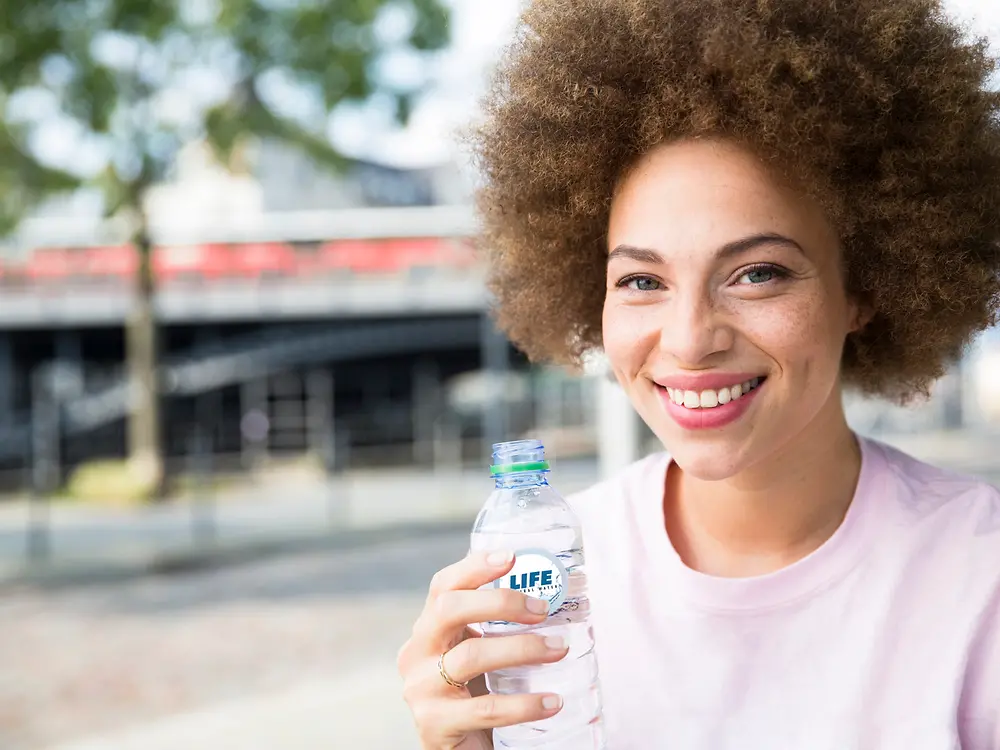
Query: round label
539, 574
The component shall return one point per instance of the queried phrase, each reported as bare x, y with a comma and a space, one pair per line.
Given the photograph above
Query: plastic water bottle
526, 515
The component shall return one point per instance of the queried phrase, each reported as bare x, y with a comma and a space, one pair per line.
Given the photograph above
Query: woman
750, 204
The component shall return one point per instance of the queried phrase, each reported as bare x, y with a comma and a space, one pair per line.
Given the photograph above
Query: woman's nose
693, 330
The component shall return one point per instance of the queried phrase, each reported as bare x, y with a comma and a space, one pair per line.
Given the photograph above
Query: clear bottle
526, 515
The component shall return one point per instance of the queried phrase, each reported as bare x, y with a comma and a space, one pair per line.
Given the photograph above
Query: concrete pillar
425, 406
69, 356
447, 447
617, 428
208, 404
549, 400
46, 469
319, 411
496, 364
6, 377
254, 421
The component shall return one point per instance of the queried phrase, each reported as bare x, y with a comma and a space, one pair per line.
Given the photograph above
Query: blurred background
247, 379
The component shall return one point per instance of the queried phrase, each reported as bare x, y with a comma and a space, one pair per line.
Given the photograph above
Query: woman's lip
706, 419
706, 382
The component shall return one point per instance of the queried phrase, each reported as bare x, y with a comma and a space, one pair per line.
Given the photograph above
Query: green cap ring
514, 468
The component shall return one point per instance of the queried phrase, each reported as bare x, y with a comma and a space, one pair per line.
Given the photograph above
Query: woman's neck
771, 515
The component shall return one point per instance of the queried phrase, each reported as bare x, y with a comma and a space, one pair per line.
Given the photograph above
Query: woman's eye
761, 275
641, 284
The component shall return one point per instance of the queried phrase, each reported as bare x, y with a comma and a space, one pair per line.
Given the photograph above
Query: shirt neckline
803, 578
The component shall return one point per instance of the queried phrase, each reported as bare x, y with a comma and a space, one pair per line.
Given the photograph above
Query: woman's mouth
713, 398
711, 408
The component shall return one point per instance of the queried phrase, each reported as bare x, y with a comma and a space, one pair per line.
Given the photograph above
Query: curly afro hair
879, 108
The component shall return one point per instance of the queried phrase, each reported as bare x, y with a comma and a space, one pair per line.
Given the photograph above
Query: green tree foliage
128, 82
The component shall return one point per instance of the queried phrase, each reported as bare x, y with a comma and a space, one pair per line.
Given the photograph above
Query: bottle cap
517, 456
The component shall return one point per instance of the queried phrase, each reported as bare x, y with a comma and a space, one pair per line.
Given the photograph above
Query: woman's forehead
705, 193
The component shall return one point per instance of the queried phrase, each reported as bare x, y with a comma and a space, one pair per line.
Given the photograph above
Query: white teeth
710, 399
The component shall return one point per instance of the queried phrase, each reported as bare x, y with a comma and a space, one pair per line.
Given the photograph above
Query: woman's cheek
792, 331
629, 333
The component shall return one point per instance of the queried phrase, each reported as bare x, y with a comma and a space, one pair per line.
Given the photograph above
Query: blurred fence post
447, 443
336, 491
254, 422
204, 530
338, 448
319, 410
45, 459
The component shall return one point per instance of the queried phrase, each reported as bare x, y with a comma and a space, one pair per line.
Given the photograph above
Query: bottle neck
519, 479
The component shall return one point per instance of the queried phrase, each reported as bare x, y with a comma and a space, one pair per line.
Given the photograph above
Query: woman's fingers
455, 602
474, 656
442, 623
456, 718
448, 716
475, 570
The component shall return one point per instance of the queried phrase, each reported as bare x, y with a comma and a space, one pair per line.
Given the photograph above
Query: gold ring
446, 676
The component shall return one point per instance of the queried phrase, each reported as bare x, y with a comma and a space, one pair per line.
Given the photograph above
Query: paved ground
296, 653
296, 507
271, 507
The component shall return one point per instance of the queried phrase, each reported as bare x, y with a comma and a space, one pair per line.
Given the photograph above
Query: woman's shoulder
946, 539
925, 492
931, 518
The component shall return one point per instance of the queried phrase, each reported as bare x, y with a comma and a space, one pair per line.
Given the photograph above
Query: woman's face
725, 314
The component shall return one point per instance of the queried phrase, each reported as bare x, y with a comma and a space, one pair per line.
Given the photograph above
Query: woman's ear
861, 312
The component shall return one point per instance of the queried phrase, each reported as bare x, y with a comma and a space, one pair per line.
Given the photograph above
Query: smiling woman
721, 277
749, 205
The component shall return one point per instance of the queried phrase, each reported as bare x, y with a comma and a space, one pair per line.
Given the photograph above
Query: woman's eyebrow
639, 254
736, 247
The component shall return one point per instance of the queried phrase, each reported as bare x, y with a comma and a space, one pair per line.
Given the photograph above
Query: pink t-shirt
886, 637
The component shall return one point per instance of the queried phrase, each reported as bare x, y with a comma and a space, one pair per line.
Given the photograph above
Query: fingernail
538, 606
555, 642
552, 702
499, 559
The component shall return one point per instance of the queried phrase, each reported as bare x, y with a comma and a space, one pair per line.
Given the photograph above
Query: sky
480, 30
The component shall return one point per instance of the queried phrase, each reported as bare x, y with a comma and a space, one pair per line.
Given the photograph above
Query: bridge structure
296, 292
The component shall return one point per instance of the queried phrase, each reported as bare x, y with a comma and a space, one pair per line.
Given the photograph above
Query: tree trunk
145, 454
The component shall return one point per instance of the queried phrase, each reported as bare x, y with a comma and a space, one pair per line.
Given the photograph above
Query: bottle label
539, 574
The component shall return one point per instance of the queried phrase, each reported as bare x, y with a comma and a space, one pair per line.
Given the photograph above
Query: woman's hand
450, 717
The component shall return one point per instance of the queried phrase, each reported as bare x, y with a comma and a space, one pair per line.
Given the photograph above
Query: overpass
269, 267
261, 355
382, 283
435, 292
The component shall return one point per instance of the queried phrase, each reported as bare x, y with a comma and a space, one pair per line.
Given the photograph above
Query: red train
214, 262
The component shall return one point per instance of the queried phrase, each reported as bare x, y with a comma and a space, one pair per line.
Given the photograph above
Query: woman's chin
706, 463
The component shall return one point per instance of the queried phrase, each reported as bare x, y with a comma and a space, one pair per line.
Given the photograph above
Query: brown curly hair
879, 108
